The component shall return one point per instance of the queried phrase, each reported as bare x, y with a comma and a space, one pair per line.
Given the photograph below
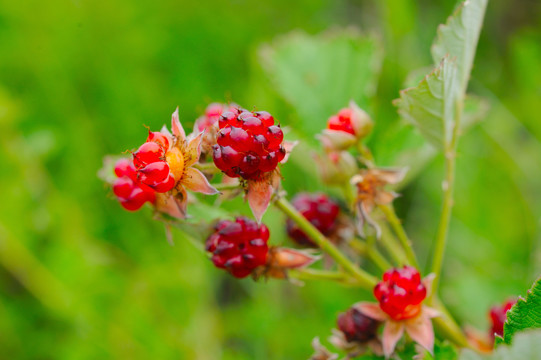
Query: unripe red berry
498, 316
253, 143
341, 122
401, 293
357, 327
238, 246
319, 209
130, 192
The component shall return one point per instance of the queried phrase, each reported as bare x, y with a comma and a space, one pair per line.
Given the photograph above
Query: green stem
448, 187
393, 248
365, 279
206, 167
222, 187
396, 224
447, 326
373, 254
314, 274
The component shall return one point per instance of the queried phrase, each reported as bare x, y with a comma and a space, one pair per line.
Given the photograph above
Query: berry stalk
396, 224
371, 252
448, 187
365, 279
315, 274
394, 249
222, 187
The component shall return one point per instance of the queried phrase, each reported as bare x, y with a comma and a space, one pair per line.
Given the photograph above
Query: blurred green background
80, 278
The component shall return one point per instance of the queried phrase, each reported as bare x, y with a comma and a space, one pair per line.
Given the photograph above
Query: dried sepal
321, 352
371, 191
280, 260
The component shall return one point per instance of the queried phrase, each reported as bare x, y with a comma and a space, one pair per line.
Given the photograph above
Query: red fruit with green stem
401, 293
320, 210
248, 144
238, 246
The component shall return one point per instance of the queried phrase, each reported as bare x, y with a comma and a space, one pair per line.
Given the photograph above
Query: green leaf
458, 38
526, 346
318, 75
525, 314
431, 105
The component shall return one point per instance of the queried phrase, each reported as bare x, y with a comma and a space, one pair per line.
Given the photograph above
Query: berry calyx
130, 192
248, 144
319, 209
238, 246
498, 316
401, 293
357, 327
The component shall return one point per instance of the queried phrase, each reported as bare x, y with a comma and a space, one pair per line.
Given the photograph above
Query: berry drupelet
401, 293
131, 193
238, 246
319, 209
248, 144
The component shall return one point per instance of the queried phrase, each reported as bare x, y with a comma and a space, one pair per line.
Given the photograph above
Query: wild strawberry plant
233, 151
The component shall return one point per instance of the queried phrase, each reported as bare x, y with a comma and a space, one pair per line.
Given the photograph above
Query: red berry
238, 246
401, 293
131, 193
148, 153
357, 327
498, 316
319, 210
256, 140
342, 121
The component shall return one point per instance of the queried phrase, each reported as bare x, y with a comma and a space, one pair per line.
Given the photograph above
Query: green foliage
318, 75
525, 314
431, 106
459, 36
526, 345
435, 104
79, 79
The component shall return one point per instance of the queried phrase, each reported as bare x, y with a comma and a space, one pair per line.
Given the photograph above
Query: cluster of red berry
319, 209
238, 246
150, 162
131, 193
401, 293
248, 144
